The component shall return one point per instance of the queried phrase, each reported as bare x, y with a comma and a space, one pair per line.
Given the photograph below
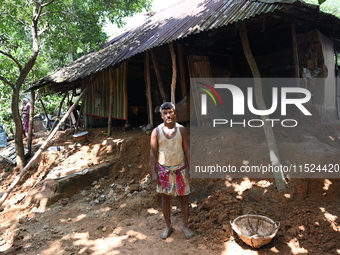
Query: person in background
25, 116
3, 138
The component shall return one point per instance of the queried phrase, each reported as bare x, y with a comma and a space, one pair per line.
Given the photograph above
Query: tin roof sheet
175, 22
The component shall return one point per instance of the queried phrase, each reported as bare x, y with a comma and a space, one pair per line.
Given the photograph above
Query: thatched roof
179, 21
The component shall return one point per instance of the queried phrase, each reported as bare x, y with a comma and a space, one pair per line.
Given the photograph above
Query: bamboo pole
158, 76
181, 70
62, 101
59, 110
148, 87
174, 73
267, 128
42, 148
45, 111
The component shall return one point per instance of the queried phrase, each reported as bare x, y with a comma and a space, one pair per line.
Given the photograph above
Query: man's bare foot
187, 232
167, 232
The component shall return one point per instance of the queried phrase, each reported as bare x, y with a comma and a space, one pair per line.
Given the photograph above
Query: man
170, 158
74, 114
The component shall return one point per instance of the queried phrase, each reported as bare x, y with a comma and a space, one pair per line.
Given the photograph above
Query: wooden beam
42, 147
148, 87
267, 128
78, 120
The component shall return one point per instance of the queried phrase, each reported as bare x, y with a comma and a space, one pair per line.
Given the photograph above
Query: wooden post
148, 87
158, 76
267, 128
45, 111
174, 73
109, 122
182, 78
31, 123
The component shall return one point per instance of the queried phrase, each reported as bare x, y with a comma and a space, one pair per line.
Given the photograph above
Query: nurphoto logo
281, 98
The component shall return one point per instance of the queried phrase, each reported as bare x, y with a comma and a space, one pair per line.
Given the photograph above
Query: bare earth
120, 213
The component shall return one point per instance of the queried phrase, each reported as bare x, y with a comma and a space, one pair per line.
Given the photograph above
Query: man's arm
154, 156
186, 148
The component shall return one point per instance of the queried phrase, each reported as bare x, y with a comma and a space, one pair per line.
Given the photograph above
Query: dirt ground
120, 213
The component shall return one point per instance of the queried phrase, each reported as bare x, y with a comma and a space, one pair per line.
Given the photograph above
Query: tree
55, 30
268, 131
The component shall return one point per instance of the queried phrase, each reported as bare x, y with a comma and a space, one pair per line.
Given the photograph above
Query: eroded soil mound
121, 213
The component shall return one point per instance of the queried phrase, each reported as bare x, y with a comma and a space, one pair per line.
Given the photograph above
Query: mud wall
316, 57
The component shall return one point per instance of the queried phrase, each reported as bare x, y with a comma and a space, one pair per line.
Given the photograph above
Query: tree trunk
42, 147
268, 131
182, 75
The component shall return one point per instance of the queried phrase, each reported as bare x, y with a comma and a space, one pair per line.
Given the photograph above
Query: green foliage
67, 29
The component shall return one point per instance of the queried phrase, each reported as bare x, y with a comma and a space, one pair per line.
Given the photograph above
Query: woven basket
255, 230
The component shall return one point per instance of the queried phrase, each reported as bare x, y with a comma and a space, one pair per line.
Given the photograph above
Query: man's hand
189, 178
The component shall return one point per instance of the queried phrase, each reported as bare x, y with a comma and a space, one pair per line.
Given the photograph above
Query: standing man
170, 169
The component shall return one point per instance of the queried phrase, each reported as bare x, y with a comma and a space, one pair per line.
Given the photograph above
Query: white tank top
170, 151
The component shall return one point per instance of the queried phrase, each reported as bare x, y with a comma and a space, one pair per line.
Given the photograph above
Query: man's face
168, 115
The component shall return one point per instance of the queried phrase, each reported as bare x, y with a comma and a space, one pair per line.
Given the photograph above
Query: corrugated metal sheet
175, 22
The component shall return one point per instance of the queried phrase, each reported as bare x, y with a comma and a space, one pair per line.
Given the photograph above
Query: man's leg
166, 204
185, 214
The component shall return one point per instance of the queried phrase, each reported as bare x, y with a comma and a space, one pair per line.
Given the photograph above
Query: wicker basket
255, 230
